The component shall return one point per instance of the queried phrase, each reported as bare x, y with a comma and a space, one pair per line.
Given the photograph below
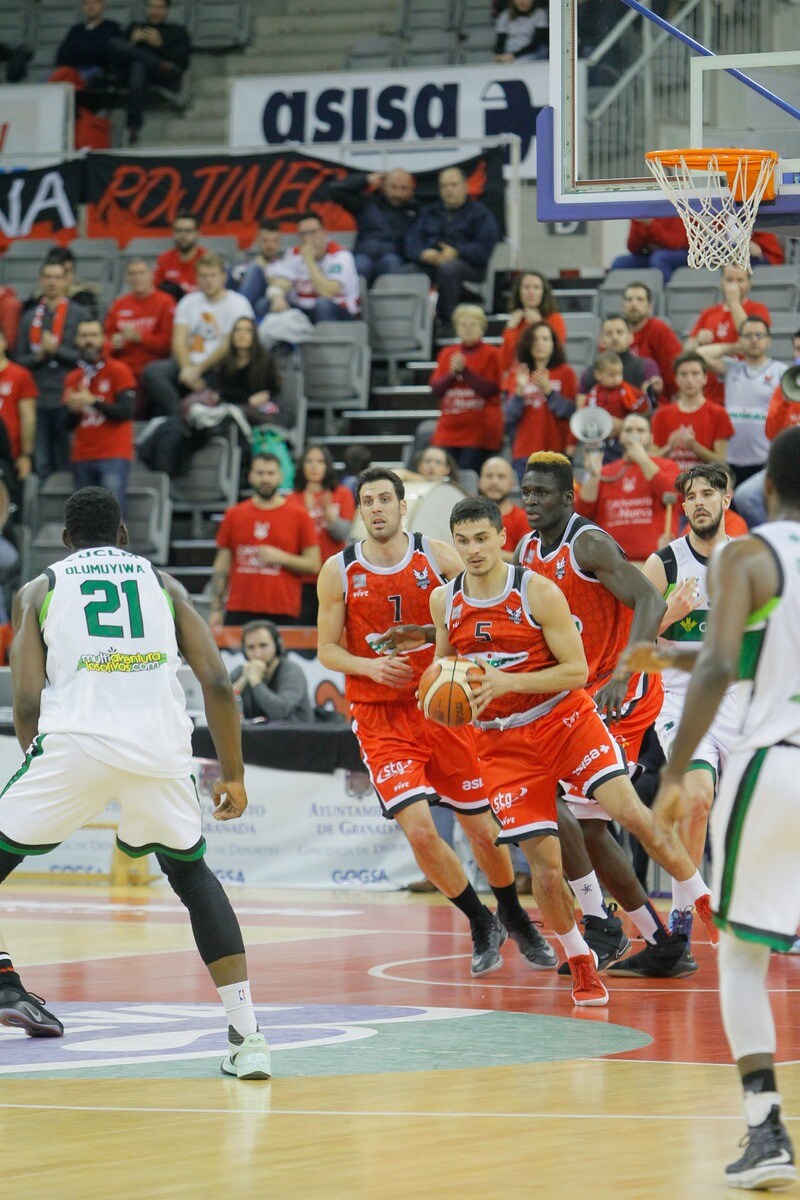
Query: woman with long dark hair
331, 507
539, 396
247, 377
532, 300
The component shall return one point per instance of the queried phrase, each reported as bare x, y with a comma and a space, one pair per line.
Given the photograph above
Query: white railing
654, 88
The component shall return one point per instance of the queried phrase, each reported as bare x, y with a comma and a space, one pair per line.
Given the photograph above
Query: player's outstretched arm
550, 609
27, 658
196, 644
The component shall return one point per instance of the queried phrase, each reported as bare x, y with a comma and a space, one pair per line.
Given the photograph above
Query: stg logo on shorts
392, 769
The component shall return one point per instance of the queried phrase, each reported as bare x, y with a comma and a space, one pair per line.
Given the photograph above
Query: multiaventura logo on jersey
115, 660
393, 768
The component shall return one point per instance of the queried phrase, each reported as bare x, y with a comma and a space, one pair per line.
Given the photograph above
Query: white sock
685, 892
239, 1007
645, 922
573, 943
589, 895
758, 1106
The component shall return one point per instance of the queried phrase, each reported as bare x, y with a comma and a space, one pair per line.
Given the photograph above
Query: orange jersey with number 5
377, 598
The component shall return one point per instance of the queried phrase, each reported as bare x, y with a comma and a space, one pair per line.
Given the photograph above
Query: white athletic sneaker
248, 1058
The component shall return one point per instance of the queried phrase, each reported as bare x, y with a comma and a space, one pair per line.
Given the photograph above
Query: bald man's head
497, 479
398, 187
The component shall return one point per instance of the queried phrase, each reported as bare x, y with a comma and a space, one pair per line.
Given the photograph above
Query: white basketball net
718, 228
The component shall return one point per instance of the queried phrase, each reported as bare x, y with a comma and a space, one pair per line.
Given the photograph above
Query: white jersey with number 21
112, 661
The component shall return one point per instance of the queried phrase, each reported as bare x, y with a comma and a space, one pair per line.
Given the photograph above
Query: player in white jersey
98, 640
753, 634
678, 572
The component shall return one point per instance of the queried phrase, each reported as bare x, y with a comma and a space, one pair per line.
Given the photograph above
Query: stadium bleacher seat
777, 287
212, 481
336, 366
609, 294
400, 319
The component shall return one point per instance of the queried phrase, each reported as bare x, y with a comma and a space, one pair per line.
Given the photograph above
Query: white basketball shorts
755, 832
59, 788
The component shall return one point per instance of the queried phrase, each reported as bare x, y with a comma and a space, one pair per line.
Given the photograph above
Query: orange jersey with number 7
377, 598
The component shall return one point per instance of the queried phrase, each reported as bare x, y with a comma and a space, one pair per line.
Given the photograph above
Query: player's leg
218, 938
556, 906
755, 827
55, 791
699, 784
440, 863
20, 1008
620, 801
527, 814
601, 928
495, 862
164, 814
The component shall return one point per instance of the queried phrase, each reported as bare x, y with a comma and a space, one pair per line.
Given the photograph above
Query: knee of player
423, 837
699, 787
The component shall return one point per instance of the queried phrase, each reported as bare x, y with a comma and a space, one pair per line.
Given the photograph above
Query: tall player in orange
383, 581
615, 605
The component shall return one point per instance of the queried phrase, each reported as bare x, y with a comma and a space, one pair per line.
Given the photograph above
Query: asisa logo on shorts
392, 769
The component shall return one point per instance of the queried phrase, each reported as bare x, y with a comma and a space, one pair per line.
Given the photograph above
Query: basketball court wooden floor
396, 1075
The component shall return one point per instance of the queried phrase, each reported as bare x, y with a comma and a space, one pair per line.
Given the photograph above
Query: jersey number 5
110, 604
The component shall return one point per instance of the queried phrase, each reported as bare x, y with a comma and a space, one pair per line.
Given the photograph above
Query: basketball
446, 691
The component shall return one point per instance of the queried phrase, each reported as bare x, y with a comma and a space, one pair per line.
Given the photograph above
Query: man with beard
99, 396
176, 270
615, 606
679, 573
264, 546
366, 592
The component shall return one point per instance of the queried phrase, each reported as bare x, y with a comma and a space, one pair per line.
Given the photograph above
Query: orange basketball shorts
409, 758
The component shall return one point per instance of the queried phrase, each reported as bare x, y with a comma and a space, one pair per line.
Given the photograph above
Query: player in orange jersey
535, 724
384, 581
614, 605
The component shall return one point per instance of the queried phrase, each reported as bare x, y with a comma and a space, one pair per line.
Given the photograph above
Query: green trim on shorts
700, 764
35, 751
733, 833
748, 933
20, 848
191, 855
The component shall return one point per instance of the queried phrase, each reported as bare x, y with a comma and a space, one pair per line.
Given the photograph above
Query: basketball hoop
717, 194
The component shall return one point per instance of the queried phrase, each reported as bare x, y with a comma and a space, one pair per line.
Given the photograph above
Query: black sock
8, 976
508, 905
760, 1081
472, 907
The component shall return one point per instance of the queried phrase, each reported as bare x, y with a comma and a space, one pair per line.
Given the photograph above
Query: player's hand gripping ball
446, 691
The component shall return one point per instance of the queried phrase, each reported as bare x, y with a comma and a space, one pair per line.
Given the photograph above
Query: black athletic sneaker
605, 936
23, 1010
487, 938
768, 1159
668, 959
534, 949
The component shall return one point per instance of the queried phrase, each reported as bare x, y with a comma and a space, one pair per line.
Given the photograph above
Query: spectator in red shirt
331, 507
264, 547
539, 396
532, 301
466, 383
652, 337
497, 482
735, 525
660, 242
720, 324
176, 270
691, 430
99, 395
138, 324
629, 498
765, 250
18, 396
10, 313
